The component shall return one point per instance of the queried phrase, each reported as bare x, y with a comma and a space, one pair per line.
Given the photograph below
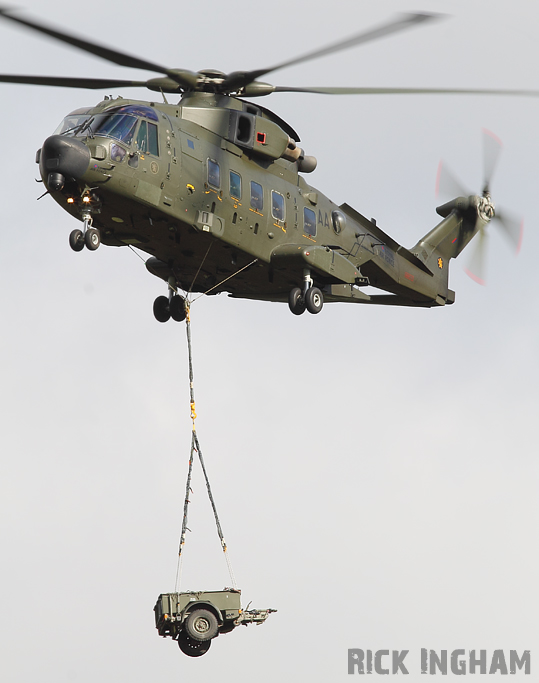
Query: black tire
76, 240
193, 648
296, 302
92, 239
314, 300
177, 308
201, 624
161, 309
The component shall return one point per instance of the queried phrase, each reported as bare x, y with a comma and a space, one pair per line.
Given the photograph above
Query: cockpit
128, 124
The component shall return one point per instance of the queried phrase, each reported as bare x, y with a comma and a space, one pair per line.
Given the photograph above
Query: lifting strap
195, 448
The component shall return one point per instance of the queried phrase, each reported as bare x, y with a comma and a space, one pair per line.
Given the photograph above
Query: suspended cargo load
194, 618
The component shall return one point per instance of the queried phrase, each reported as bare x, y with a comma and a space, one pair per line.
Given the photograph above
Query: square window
309, 222
235, 185
257, 196
277, 205
214, 174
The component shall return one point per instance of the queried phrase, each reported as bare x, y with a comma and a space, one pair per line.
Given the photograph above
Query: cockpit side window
153, 146
147, 138
142, 137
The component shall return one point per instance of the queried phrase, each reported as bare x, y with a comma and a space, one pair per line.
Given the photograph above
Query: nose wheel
76, 240
88, 236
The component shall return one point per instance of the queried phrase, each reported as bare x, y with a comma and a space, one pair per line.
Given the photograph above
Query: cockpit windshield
72, 122
118, 123
118, 126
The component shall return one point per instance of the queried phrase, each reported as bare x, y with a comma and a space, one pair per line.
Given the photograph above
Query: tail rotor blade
476, 269
447, 186
492, 146
512, 227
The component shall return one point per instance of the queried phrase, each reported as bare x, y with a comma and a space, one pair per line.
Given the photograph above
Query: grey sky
375, 469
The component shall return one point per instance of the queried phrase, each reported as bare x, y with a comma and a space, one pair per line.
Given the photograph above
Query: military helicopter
211, 188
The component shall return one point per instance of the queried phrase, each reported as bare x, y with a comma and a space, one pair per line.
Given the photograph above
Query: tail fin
446, 241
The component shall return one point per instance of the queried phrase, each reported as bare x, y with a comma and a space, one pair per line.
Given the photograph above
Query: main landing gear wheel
193, 648
296, 302
76, 240
161, 309
177, 308
201, 625
314, 300
92, 239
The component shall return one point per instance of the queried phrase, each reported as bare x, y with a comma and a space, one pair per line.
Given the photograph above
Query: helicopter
212, 189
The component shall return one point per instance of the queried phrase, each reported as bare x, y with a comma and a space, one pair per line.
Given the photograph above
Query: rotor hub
485, 207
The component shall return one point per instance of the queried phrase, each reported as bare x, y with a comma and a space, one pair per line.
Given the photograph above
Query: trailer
194, 618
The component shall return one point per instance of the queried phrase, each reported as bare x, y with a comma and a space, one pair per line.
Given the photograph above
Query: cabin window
309, 222
257, 196
214, 174
277, 206
235, 185
147, 138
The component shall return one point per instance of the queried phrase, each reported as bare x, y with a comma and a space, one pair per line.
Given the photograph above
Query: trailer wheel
193, 648
201, 624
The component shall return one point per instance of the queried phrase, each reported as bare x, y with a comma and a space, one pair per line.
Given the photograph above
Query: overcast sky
375, 469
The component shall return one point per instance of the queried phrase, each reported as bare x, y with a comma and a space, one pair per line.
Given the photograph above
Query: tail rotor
448, 186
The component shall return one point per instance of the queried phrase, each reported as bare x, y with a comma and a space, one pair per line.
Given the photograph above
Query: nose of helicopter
62, 158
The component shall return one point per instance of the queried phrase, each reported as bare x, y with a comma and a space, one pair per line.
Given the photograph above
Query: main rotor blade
492, 146
406, 91
66, 82
98, 50
239, 79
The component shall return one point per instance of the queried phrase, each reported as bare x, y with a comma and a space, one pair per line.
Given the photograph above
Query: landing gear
296, 301
92, 239
76, 240
311, 298
191, 647
161, 309
173, 306
314, 300
177, 308
87, 236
